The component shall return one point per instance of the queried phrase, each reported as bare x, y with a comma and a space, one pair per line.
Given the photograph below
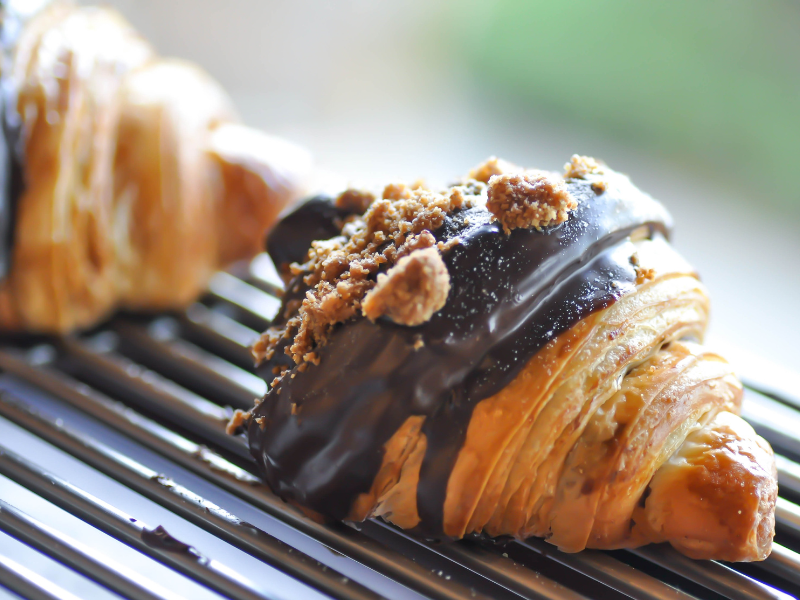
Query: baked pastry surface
135, 181
558, 389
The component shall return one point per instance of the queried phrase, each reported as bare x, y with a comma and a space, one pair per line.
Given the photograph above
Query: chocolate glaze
14, 17
160, 538
510, 295
314, 219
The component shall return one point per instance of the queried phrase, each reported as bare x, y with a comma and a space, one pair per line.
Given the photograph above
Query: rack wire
141, 405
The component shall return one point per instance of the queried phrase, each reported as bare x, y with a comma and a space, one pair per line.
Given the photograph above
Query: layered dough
139, 183
614, 435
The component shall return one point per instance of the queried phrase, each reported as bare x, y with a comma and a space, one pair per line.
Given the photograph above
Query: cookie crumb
397, 191
529, 199
237, 422
599, 187
411, 291
445, 246
643, 274
355, 201
418, 342
579, 167
339, 272
491, 167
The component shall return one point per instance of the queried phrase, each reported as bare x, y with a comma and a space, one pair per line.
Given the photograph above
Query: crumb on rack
237, 422
411, 291
491, 167
354, 200
529, 199
579, 167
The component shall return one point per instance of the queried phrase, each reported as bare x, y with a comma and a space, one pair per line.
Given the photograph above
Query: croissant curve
565, 395
138, 182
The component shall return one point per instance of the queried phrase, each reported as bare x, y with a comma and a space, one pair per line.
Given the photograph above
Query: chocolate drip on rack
318, 437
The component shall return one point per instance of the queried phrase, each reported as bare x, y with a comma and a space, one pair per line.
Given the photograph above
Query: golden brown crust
131, 199
715, 497
569, 453
529, 199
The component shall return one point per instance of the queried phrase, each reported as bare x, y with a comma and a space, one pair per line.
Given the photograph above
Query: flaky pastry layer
615, 434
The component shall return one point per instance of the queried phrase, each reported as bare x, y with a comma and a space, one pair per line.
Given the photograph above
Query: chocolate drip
318, 437
160, 538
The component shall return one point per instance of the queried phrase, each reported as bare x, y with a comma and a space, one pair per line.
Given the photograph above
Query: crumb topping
355, 201
579, 167
599, 187
529, 199
340, 272
411, 291
491, 167
393, 233
643, 274
237, 422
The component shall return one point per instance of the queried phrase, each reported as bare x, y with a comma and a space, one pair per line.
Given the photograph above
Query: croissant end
714, 498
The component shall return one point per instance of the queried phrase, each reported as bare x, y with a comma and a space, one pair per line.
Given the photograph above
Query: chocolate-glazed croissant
514, 355
131, 181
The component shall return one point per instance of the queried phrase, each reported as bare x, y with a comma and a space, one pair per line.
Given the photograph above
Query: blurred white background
378, 91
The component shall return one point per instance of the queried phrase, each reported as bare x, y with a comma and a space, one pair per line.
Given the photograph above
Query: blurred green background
711, 85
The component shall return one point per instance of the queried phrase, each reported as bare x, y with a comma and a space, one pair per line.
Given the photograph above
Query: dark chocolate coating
314, 219
510, 294
160, 538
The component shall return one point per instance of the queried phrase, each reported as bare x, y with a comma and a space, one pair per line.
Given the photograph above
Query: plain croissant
138, 183
554, 392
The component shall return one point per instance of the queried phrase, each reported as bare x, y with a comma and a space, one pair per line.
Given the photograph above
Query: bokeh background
699, 101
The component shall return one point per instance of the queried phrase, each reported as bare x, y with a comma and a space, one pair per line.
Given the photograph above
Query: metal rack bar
784, 563
187, 504
610, 572
158, 347
710, 574
154, 393
24, 582
231, 478
258, 306
228, 337
131, 531
77, 556
207, 350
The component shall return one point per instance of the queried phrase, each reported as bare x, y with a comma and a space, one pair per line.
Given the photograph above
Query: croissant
517, 354
128, 179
